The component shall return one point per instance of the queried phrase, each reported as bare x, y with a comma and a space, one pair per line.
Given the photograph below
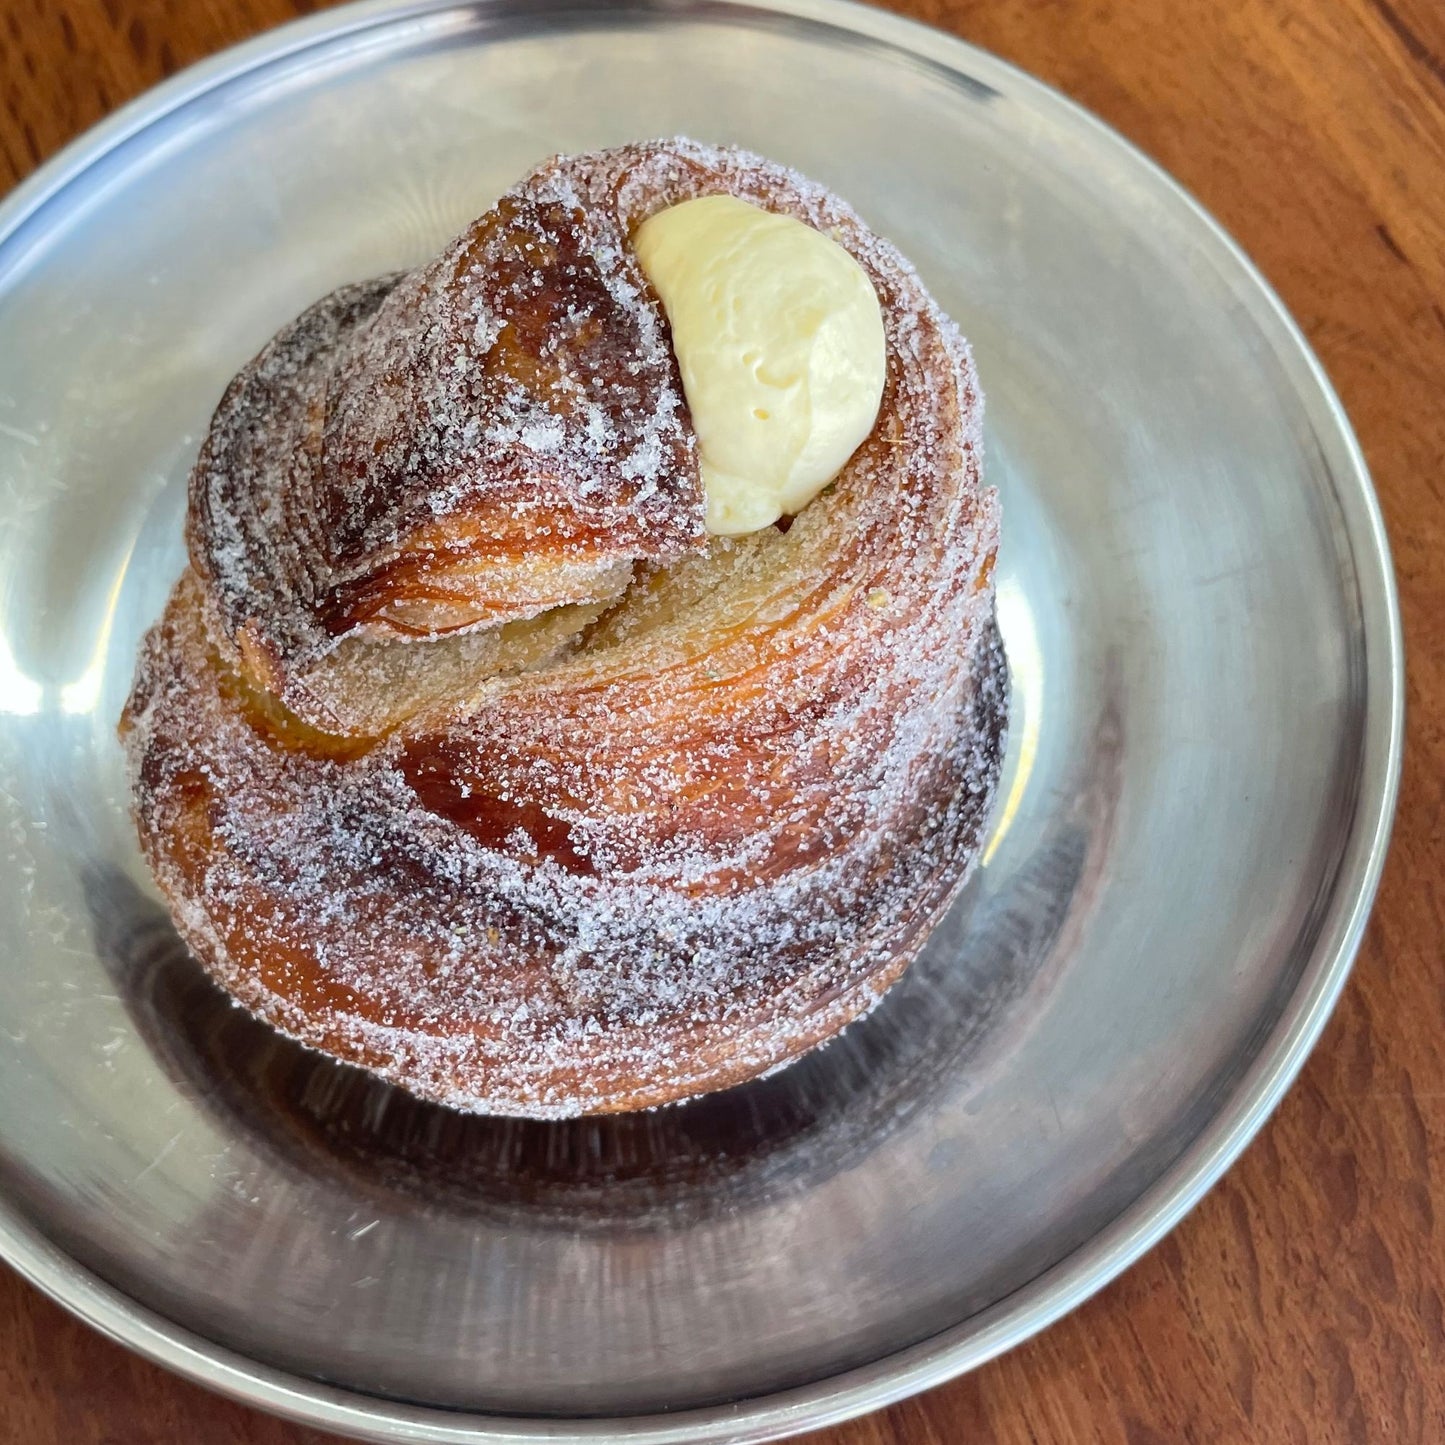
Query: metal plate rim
1154, 1213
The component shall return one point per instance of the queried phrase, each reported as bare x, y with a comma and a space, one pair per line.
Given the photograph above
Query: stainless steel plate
1200, 615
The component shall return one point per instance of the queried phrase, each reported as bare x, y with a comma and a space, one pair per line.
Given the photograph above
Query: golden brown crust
495, 434
658, 861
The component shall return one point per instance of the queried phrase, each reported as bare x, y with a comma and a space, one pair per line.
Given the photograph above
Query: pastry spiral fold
464, 754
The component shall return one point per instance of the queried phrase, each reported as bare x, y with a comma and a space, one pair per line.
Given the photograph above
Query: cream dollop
779, 337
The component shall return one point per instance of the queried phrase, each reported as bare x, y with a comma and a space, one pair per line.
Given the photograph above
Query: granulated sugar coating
659, 814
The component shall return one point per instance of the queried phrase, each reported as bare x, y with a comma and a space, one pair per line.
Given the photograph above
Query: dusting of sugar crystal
776, 786
389, 408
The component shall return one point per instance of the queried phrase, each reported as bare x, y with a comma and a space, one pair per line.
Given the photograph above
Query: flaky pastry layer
643, 847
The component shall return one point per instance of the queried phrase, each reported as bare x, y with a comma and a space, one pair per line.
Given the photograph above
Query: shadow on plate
669, 1165
663, 1169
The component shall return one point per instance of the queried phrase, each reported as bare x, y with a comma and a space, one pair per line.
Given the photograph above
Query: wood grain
1302, 1301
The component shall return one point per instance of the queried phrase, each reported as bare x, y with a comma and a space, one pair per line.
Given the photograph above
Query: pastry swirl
463, 754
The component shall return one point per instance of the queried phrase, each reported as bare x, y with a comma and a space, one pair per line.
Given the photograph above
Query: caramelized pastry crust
658, 813
499, 433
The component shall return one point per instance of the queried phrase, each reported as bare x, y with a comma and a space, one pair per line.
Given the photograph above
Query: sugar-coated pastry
474, 750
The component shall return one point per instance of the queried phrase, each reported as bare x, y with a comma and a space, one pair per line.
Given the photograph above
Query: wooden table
1302, 1301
